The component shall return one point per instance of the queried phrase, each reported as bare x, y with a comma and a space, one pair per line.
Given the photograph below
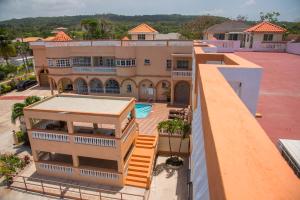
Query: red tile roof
61, 36
263, 27
125, 38
143, 28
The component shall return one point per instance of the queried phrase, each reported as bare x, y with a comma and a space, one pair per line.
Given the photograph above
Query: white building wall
249, 81
198, 160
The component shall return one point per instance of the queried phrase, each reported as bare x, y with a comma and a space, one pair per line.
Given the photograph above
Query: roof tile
266, 27
61, 36
143, 28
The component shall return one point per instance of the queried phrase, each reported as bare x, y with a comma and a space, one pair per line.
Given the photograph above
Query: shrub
31, 77
21, 136
10, 164
4, 88
2, 75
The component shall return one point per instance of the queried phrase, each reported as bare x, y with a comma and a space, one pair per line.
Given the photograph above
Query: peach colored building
149, 70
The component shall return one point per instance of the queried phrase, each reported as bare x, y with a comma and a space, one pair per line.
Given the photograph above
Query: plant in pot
172, 127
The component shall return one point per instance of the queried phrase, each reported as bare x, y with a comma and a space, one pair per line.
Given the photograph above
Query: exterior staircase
140, 166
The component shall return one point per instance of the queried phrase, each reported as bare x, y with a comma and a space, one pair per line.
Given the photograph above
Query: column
35, 156
51, 86
75, 161
172, 92
70, 127
120, 165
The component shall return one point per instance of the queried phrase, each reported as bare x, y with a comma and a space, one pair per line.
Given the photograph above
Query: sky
289, 9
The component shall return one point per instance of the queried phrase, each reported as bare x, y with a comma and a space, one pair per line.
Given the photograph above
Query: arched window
112, 86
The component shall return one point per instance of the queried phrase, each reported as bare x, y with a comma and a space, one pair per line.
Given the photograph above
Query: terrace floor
279, 100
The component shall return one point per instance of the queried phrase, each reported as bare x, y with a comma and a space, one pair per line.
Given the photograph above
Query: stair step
144, 146
138, 164
137, 159
145, 143
137, 169
137, 174
140, 155
136, 179
136, 184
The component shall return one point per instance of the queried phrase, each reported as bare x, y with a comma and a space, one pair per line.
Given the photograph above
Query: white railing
269, 46
55, 168
180, 43
114, 43
110, 70
187, 74
104, 142
99, 174
128, 130
50, 136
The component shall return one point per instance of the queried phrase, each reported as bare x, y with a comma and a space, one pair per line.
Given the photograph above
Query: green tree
23, 50
270, 16
9, 164
172, 127
7, 49
91, 27
18, 111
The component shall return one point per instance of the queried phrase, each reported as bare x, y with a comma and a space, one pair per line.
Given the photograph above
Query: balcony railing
128, 130
99, 174
109, 70
112, 90
50, 136
104, 142
182, 74
55, 168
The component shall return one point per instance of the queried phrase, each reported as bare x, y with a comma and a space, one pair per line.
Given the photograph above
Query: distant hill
190, 26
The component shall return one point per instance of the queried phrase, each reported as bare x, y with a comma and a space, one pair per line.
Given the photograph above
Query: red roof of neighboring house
125, 38
266, 27
61, 36
143, 28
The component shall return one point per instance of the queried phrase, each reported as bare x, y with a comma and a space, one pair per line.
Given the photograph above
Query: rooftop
82, 104
142, 28
266, 27
61, 36
228, 26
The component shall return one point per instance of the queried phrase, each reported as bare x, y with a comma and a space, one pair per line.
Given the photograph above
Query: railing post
24, 183
121, 196
42, 186
61, 194
100, 195
79, 192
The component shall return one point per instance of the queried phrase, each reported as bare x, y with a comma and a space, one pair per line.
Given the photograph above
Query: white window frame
81, 61
63, 62
180, 64
51, 62
141, 36
147, 61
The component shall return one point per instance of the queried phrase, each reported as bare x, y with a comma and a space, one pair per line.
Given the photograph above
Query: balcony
60, 70
126, 71
94, 70
182, 75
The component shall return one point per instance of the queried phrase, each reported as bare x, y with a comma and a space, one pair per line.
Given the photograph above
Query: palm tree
7, 49
184, 131
17, 111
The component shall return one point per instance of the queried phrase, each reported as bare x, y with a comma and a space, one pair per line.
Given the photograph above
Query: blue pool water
142, 110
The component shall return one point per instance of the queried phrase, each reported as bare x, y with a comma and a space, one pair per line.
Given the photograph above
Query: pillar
172, 92
75, 161
120, 165
51, 86
70, 127
35, 155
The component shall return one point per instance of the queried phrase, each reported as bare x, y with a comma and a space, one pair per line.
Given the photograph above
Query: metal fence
70, 191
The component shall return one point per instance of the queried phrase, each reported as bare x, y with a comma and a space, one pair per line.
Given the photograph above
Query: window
125, 62
50, 62
164, 85
109, 62
233, 37
147, 62
81, 61
141, 37
129, 89
169, 64
268, 37
182, 64
62, 62
219, 36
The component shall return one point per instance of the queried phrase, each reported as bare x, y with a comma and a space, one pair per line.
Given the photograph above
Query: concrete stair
141, 160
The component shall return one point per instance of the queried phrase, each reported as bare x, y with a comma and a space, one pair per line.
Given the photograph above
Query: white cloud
249, 3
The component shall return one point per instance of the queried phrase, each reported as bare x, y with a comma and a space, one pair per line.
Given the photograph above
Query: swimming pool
142, 110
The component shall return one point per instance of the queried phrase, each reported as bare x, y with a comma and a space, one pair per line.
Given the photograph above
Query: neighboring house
29, 39
228, 30
147, 70
143, 32
263, 32
168, 36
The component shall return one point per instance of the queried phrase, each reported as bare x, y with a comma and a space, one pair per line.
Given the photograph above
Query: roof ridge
143, 26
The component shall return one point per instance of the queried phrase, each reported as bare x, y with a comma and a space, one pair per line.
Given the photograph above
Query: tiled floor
159, 113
